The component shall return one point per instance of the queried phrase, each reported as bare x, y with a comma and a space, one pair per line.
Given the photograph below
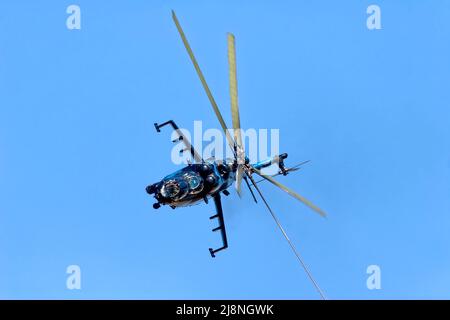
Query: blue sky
370, 109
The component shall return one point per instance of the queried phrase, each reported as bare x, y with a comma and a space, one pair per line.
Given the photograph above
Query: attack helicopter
202, 180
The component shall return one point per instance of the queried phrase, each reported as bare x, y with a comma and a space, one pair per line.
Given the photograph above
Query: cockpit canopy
195, 182
179, 187
174, 189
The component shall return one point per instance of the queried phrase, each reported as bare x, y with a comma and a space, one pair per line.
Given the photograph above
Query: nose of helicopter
150, 189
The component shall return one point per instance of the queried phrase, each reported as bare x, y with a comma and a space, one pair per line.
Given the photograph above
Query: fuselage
193, 183
198, 182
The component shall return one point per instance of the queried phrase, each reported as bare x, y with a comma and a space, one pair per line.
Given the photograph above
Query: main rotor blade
239, 175
234, 97
203, 81
303, 264
292, 193
249, 187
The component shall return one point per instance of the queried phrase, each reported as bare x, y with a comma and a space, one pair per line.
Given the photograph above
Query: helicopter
202, 179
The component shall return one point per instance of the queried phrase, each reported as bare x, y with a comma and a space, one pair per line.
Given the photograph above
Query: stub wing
196, 158
220, 227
